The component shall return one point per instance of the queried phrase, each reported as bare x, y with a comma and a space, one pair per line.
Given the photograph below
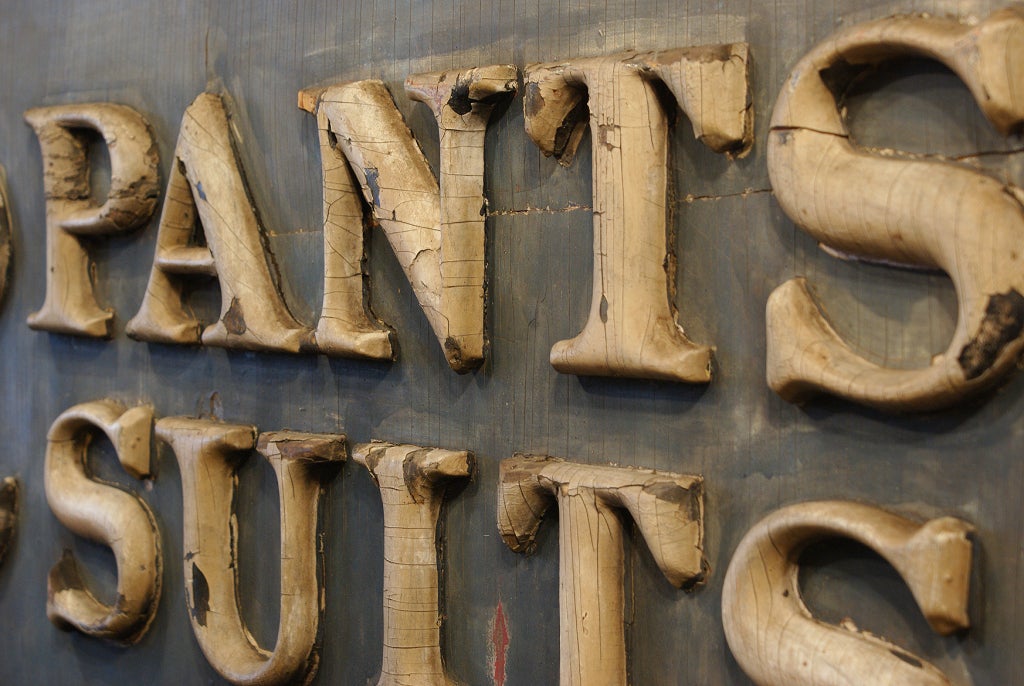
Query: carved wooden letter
71, 211
669, 512
208, 454
412, 482
8, 513
778, 642
912, 211
206, 177
106, 514
436, 231
632, 329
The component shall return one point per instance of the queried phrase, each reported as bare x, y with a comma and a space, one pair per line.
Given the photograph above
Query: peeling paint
8, 513
200, 595
499, 644
371, 182
234, 319
1002, 324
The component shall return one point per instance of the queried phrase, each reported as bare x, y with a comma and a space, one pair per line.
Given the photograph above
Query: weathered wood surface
929, 213
106, 514
755, 451
436, 227
776, 638
208, 455
594, 505
253, 316
632, 330
413, 482
75, 212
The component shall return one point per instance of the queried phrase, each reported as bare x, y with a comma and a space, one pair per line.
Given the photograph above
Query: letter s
922, 212
106, 514
775, 638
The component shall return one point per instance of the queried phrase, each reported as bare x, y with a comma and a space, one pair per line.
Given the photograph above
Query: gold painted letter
436, 231
206, 178
412, 482
8, 513
208, 454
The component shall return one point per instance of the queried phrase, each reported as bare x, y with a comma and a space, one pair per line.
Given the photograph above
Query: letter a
206, 177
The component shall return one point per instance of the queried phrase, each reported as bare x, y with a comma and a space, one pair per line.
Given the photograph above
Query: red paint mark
499, 640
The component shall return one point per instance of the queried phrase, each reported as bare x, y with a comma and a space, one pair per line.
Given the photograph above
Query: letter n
435, 229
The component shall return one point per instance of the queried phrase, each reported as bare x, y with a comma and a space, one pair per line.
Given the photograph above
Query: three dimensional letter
776, 639
106, 514
669, 512
912, 211
412, 482
208, 454
436, 231
632, 329
71, 211
206, 178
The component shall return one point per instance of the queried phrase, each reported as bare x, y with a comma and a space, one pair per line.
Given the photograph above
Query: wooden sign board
314, 313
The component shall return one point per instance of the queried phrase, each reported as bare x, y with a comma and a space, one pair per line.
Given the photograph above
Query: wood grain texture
413, 482
757, 452
72, 213
435, 226
207, 185
632, 330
